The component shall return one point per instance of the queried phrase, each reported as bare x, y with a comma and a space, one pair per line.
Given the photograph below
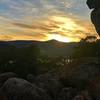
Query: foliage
88, 47
20, 60
29, 60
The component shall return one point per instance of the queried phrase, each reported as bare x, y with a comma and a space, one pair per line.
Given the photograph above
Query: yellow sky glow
62, 20
61, 28
61, 38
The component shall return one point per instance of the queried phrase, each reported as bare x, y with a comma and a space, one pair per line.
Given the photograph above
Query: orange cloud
45, 28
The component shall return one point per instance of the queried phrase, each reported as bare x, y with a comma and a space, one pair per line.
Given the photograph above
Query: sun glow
67, 24
69, 28
59, 37
61, 28
66, 28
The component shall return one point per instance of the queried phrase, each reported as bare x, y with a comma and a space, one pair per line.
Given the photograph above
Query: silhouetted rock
95, 14
95, 18
5, 76
50, 83
19, 89
93, 4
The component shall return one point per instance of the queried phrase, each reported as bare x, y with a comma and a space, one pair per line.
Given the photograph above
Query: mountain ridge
50, 48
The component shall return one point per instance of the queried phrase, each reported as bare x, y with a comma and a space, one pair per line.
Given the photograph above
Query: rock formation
95, 18
95, 14
20, 89
5, 76
46, 86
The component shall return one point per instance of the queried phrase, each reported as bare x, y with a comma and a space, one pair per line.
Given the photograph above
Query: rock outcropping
5, 76
95, 14
46, 86
20, 89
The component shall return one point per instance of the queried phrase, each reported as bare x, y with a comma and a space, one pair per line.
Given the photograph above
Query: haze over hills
50, 48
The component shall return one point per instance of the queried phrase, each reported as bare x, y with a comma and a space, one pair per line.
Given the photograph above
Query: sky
42, 20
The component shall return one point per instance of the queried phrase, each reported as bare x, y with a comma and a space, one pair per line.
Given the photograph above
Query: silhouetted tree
89, 39
19, 60
88, 47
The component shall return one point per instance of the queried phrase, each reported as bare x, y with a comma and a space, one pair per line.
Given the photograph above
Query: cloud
37, 19
17, 9
23, 25
63, 25
10, 37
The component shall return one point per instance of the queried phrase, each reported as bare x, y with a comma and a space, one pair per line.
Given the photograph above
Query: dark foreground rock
95, 14
50, 83
93, 4
19, 89
6, 76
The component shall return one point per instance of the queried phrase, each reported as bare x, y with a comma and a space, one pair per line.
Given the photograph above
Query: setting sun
60, 38
67, 29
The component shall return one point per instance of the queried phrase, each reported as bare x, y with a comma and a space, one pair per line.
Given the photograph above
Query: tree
88, 47
89, 39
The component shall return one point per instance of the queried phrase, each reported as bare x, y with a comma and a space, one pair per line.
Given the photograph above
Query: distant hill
50, 48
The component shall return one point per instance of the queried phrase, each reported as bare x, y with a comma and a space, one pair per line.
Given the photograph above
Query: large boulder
95, 14
19, 89
95, 18
5, 76
93, 4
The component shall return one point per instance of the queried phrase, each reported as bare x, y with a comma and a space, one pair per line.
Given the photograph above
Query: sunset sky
63, 20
